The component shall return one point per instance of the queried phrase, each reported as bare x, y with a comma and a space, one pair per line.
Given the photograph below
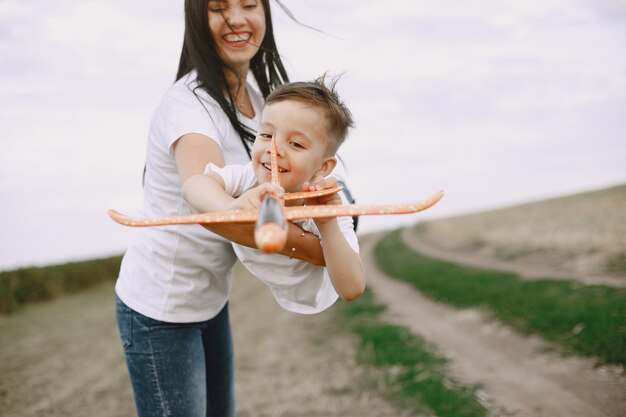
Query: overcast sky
495, 101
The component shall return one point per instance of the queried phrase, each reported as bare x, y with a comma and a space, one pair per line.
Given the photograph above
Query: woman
173, 285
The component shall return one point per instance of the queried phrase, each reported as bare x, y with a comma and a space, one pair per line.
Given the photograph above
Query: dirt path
294, 365
420, 243
515, 372
64, 358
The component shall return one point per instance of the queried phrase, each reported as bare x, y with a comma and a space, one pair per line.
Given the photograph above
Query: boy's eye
249, 4
297, 145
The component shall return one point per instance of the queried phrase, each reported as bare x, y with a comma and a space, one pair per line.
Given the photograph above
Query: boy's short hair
316, 92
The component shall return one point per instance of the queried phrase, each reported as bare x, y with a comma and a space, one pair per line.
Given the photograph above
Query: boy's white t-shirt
181, 273
297, 286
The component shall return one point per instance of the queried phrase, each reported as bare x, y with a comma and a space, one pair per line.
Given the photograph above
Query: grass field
584, 319
588, 320
28, 285
413, 373
410, 372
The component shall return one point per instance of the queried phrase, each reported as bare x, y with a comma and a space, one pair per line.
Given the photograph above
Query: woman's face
238, 28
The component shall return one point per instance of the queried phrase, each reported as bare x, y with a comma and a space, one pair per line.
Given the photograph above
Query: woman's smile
238, 29
237, 39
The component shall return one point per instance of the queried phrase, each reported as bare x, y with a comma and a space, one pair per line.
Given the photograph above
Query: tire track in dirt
516, 373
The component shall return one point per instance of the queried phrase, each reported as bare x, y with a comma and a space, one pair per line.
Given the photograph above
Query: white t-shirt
297, 286
181, 273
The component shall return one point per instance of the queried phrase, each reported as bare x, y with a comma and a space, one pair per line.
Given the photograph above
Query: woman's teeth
237, 37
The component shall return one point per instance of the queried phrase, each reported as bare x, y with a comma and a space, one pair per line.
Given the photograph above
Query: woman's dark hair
200, 53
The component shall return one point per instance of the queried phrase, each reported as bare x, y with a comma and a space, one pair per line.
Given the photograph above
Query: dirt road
517, 373
63, 358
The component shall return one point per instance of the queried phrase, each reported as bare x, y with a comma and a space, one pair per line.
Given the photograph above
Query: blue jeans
179, 369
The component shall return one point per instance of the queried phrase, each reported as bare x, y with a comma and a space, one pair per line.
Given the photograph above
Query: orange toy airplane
270, 233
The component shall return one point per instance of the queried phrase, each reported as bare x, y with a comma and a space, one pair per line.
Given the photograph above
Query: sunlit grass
413, 372
588, 320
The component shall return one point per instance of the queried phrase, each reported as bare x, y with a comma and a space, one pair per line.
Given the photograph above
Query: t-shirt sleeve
237, 178
182, 112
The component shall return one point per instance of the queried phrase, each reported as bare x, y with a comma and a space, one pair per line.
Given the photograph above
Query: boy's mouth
269, 168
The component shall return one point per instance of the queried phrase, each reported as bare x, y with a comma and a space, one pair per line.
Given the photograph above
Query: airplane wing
312, 194
326, 211
291, 213
235, 216
271, 220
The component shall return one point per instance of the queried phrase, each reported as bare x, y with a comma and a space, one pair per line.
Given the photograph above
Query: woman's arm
300, 244
192, 153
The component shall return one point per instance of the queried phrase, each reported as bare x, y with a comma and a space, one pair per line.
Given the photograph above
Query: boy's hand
333, 199
322, 184
252, 198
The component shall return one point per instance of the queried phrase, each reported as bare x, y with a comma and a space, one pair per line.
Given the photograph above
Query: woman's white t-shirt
181, 273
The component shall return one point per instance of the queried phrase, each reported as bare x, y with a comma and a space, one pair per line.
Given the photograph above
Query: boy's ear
327, 166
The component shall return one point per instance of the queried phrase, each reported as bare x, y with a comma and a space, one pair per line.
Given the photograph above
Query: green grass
415, 375
588, 320
29, 285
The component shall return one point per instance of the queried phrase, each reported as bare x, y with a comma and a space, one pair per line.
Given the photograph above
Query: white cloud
11, 9
494, 101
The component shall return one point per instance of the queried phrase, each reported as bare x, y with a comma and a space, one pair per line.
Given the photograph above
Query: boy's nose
279, 148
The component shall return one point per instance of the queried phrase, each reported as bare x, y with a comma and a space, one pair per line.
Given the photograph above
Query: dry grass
582, 234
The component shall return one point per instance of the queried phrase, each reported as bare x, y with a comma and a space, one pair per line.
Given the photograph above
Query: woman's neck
239, 93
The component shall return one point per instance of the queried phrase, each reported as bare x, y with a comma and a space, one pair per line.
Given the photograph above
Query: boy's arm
206, 193
193, 152
344, 265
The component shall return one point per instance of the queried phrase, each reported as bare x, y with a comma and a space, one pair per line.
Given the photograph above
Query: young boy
309, 123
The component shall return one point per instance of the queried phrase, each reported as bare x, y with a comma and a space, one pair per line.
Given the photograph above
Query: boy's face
299, 129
